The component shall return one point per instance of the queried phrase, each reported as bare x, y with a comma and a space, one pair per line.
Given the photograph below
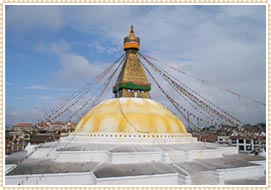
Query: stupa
131, 117
131, 140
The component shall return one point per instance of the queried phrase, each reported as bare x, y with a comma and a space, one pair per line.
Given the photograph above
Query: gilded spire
132, 33
132, 80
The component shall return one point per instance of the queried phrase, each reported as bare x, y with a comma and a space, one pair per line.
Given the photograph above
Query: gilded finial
131, 41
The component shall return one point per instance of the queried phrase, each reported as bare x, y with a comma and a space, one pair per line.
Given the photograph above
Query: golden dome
130, 115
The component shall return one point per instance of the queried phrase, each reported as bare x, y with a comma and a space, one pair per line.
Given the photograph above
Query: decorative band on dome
135, 138
131, 44
133, 86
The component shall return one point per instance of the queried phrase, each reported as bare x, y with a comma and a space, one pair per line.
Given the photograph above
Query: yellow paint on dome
88, 125
122, 100
130, 115
160, 125
174, 126
138, 100
109, 123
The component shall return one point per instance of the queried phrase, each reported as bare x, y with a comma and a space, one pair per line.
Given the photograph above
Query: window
241, 147
241, 140
248, 147
233, 141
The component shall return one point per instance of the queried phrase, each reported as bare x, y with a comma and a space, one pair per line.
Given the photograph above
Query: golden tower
132, 80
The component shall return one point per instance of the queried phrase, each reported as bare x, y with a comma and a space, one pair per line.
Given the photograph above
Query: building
248, 139
132, 140
249, 144
49, 132
224, 140
23, 127
16, 141
18, 136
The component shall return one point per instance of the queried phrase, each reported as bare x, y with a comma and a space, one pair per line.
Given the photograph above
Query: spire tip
132, 33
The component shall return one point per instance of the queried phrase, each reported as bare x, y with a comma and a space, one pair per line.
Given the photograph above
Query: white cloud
14, 115
59, 48
45, 97
21, 98
44, 18
75, 68
56, 47
101, 48
37, 87
45, 87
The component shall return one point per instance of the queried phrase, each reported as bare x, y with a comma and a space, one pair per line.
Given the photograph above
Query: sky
51, 51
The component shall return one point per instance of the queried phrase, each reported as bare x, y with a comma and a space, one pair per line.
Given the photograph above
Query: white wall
162, 179
128, 138
51, 179
184, 180
177, 156
82, 156
243, 172
230, 150
204, 154
260, 162
190, 155
9, 167
135, 157
44, 153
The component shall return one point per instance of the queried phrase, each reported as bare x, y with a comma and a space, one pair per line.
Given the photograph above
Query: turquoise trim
132, 86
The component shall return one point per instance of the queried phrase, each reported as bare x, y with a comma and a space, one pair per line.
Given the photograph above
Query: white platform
85, 160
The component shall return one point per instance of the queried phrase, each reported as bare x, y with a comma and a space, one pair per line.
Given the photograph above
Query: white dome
130, 115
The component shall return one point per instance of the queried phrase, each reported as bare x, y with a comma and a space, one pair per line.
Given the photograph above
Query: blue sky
53, 50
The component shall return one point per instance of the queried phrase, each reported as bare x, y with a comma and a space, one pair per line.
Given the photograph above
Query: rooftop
135, 148
15, 158
229, 161
23, 125
113, 170
35, 166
